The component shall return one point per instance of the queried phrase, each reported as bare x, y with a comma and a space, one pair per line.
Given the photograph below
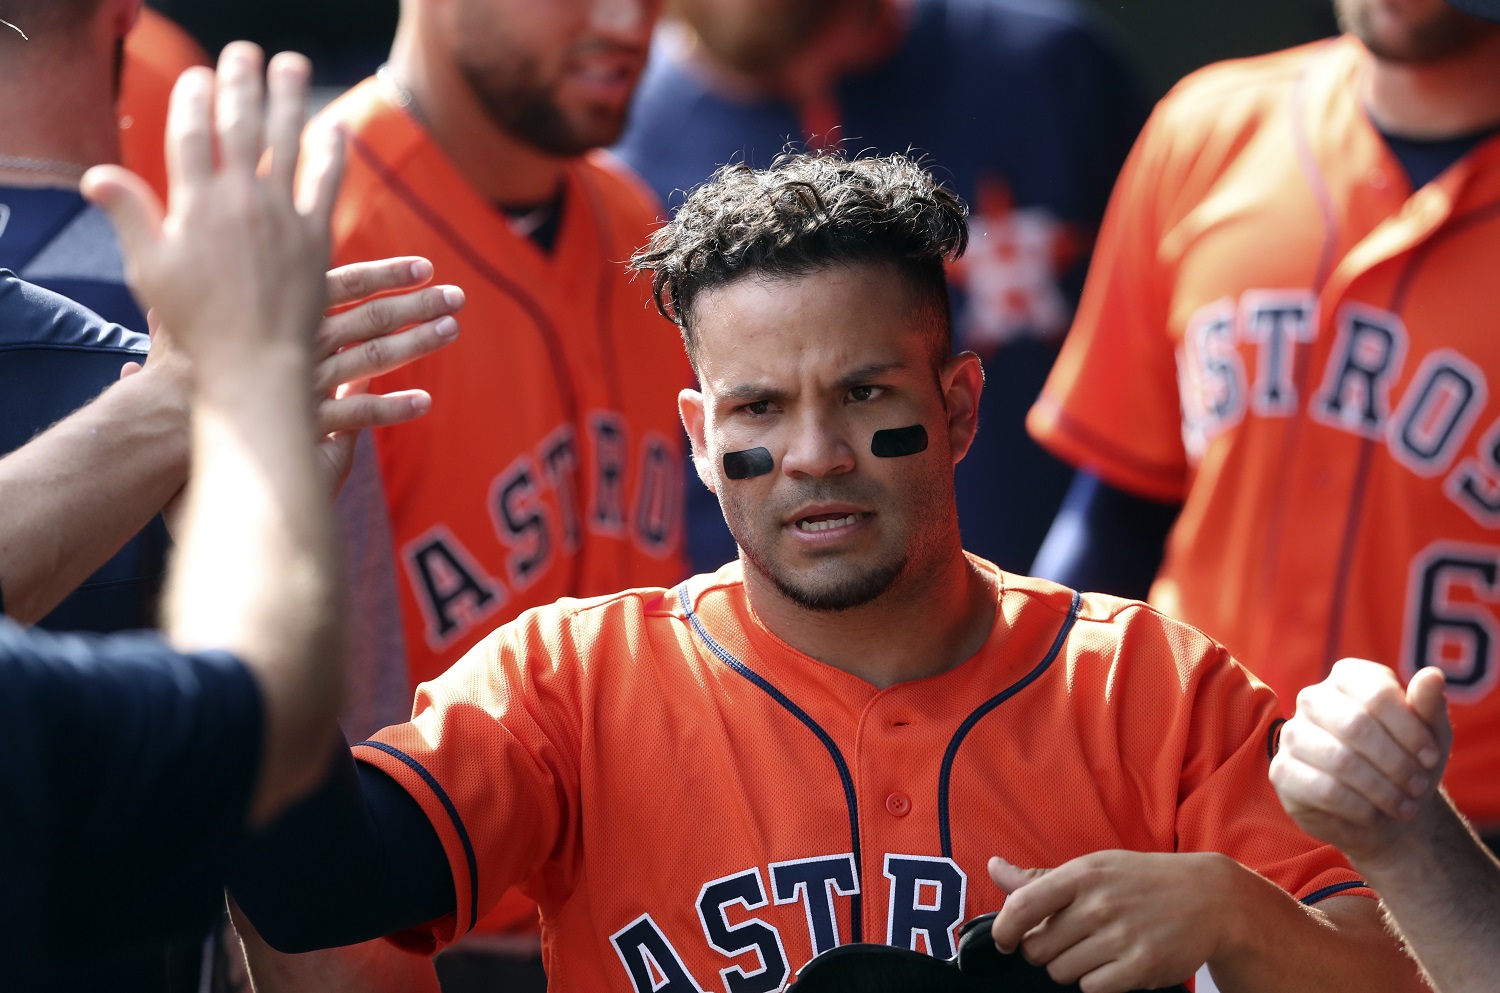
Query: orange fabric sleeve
494, 769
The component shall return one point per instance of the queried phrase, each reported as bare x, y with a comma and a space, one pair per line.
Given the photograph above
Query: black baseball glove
979, 967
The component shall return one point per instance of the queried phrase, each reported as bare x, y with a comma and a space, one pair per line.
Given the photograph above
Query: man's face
556, 74
755, 36
1412, 31
809, 368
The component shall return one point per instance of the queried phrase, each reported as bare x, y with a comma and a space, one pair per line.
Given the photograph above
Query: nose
626, 21
817, 446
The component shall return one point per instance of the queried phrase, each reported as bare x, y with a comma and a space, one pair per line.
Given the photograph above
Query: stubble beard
855, 586
1447, 33
520, 104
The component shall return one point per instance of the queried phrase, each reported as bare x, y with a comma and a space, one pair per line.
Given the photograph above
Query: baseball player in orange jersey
829, 739
554, 464
1288, 328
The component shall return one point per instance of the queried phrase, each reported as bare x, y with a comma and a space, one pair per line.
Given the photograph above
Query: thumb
1011, 878
132, 207
1424, 694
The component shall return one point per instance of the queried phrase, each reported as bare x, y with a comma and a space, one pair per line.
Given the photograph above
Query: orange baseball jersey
697, 806
1280, 334
156, 53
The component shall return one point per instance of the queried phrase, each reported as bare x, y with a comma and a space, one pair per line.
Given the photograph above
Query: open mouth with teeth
828, 522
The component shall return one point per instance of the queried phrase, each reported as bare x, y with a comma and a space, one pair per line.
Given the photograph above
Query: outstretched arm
236, 269
1359, 766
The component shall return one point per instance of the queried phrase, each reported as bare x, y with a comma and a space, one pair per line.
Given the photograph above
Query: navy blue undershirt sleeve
128, 774
358, 859
1105, 540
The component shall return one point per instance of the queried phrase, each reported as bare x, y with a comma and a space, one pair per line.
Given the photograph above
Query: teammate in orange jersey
829, 739
1288, 329
156, 53
554, 465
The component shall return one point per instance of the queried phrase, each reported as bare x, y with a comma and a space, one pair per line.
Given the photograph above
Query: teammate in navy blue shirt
1026, 111
55, 357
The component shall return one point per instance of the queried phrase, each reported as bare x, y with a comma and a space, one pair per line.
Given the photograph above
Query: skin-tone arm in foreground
1359, 767
78, 491
256, 572
1116, 921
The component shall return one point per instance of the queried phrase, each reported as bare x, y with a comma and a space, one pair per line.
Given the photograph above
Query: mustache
827, 490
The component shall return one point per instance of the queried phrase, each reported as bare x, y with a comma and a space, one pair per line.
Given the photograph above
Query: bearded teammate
827, 740
554, 465
1289, 329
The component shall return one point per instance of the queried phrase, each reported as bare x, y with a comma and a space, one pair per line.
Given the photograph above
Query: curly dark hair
807, 212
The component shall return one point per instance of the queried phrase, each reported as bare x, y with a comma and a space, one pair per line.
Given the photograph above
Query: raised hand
235, 266
1362, 757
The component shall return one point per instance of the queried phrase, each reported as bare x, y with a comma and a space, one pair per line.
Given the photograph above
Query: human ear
962, 380
690, 409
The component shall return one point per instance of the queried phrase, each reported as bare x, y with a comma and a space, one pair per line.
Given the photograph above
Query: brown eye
860, 394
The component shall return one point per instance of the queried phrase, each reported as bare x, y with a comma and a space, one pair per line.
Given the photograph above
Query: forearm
1443, 892
1277, 944
370, 967
80, 490
256, 572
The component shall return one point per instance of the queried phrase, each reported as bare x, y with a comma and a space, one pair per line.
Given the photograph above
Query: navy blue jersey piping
1334, 890
458, 823
856, 907
944, 778
1273, 738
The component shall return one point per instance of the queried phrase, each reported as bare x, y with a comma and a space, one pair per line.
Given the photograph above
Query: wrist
261, 374
1246, 901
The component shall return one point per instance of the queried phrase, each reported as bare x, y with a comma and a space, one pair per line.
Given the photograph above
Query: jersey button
899, 804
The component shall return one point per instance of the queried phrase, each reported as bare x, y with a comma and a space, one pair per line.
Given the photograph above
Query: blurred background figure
156, 53
1288, 333
1025, 110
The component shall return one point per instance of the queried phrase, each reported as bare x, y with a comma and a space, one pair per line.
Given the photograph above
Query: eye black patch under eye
751, 462
892, 443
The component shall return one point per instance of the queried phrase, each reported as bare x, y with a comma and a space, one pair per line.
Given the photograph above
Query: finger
1424, 694
319, 184
349, 283
287, 82
1332, 754
1070, 962
378, 356
1009, 877
132, 207
130, 369
1029, 904
237, 106
1376, 688
384, 315
371, 410
1117, 975
1307, 790
1053, 938
1353, 730
190, 145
